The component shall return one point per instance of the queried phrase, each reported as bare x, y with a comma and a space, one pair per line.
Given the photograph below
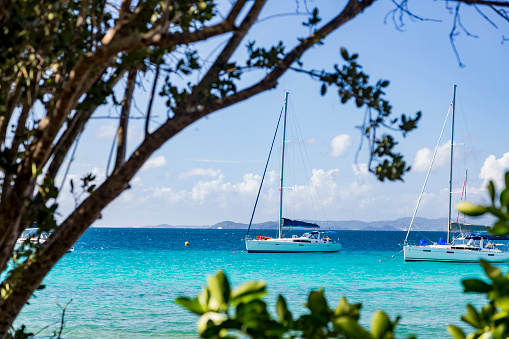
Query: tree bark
124, 119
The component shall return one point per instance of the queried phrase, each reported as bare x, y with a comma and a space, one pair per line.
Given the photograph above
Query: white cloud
250, 184
156, 162
200, 172
330, 194
322, 178
494, 169
204, 189
361, 170
339, 144
423, 157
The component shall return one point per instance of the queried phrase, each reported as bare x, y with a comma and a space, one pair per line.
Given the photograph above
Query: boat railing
500, 246
420, 243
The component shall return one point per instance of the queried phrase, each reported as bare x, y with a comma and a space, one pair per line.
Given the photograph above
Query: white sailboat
314, 241
472, 243
33, 236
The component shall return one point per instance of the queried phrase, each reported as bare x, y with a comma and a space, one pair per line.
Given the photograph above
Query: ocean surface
122, 282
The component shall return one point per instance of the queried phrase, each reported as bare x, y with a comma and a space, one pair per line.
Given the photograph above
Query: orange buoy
187, 243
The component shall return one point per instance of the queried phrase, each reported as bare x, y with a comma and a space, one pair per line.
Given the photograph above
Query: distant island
401, 224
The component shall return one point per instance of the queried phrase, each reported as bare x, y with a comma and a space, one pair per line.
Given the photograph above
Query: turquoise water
123, 282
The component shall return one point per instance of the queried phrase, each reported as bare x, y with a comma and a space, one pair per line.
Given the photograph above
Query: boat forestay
314, 241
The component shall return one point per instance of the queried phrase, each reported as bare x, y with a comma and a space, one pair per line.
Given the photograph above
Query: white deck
292, 245
453, 253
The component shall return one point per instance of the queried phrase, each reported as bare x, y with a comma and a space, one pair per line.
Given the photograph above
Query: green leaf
456, 332
499, 228
500, 331
491, 271
504, 197
471, 209
219, 292
346, 309
324, 89
344, 53
472, 317
34, 170
476, 285
192, 305
281, 308
203, 299
351, 328
491, 190
503, 303
210, 319
247, 292
486, 335
317, 303
285, 316
380, 324
507, 179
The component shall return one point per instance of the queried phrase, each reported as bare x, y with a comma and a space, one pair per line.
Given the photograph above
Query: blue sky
210, 172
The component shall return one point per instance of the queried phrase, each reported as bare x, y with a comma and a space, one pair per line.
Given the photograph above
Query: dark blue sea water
123, 281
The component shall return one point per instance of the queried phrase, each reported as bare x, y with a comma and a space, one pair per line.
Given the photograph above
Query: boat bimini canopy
477, 236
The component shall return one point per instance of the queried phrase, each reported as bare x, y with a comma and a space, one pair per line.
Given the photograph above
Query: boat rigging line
429, 171
264, 172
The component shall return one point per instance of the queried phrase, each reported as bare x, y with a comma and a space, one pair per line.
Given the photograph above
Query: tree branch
232, 45
485, 2
124, 118
76, 125
149, 109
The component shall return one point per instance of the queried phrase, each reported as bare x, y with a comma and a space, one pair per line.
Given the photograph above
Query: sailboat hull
450, 254
289, 246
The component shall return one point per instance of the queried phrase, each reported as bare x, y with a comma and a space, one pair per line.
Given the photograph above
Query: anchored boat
314, 241
472, 242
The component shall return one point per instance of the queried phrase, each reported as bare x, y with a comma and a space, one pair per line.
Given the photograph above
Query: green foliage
20, 333
227, 313
353, 84
493, 319
263, 58
499, 209
314, 20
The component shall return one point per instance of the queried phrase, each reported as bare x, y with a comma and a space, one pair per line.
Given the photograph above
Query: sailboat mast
282, 170
450, 173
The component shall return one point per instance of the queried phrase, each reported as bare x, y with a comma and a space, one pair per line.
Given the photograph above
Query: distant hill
421, 224
401, 224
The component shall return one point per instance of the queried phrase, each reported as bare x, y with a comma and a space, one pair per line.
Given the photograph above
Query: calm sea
123, 281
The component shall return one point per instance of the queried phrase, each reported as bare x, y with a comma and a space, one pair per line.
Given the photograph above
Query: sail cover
298, 223
455, 226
